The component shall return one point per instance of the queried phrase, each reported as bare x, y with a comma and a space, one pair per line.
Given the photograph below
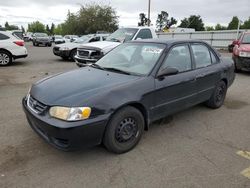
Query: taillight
19, 42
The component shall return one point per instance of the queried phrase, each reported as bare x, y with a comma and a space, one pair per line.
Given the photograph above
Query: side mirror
167, 72
236, 42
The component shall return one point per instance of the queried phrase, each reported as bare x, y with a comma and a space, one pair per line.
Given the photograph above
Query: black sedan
115, 100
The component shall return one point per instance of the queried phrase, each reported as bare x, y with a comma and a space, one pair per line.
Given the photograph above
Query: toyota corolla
115, 100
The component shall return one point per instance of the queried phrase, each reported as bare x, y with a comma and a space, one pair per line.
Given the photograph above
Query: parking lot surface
195, 148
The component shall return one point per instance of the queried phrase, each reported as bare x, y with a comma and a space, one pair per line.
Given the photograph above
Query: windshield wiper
116, 70
97, 66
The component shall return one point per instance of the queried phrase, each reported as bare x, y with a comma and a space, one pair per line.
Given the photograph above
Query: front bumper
67, 135
61, 53
243, 63
83, 62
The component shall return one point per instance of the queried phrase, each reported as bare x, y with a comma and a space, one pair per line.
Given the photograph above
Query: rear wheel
124, 130
218, 96
5, 58
236, 62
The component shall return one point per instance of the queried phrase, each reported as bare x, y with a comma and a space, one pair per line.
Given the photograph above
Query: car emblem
34, 104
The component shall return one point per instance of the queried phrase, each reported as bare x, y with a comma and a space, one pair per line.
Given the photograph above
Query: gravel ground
195, 148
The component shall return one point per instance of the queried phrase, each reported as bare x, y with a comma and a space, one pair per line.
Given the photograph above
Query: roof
167, 41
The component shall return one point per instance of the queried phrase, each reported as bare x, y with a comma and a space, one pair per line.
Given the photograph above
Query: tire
65, 58
124, 130
49, 44
236, 69
218, 96
5, 58
72, 54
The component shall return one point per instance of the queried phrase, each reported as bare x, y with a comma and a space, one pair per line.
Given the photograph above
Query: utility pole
149, 5
238, 29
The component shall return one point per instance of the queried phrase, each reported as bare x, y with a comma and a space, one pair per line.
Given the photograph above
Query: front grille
83, 53
35, 105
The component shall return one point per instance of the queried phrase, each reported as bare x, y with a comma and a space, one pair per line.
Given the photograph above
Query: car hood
102, 45
74, 87
70, 45
245, 47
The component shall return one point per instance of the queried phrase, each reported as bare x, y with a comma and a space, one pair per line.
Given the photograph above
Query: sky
22, 12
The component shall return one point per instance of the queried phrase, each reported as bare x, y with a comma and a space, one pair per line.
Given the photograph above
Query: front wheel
124, 130
5, 58
72, 54
218, 96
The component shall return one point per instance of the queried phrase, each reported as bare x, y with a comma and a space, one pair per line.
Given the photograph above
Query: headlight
64, 48
70, 114
244, 54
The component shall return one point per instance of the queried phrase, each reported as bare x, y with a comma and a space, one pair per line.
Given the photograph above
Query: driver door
175, 92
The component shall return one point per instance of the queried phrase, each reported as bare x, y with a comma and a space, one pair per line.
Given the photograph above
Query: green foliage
220, 27
36, 27
23, 30
10, 27
89, 19
143, 19
246, 24
234, 23
163, 22
52, 29
209, 28
194, 21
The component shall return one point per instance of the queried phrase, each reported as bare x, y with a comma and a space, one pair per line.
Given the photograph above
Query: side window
95, 39
201, 55
144, 34
104, 38
3, 37
179, 57
214, 59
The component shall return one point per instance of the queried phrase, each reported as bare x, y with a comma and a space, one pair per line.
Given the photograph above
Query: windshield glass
58, 37
83, 39
133, 58
41, 35
123, 34
246, 39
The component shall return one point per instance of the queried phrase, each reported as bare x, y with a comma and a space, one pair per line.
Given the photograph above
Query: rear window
3, 37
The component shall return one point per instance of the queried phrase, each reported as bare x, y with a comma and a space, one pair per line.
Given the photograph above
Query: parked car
11, 48
18, 33
41, 38
115, 99
28, 36
241, 52
58, 39
70, 38
90, 53
68, 50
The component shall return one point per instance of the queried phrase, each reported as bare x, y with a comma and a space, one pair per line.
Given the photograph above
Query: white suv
11, 48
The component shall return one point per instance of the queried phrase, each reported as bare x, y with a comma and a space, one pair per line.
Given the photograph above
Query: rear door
175, 92
207, 72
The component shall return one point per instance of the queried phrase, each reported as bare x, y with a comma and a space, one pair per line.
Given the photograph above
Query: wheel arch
3, 49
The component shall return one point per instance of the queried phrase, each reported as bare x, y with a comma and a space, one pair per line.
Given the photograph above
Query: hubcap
220, 94
4, 59
126, 131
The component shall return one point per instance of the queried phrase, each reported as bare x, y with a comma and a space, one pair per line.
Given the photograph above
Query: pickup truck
241, 53
92, 52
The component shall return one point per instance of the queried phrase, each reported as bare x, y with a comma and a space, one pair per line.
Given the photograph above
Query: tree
10, 27
220, 27
143, 19
194, 21
58, 29
209, 28
36, 27
234, 23
163, 22
23, 30
52, 29
47, 29
246, 24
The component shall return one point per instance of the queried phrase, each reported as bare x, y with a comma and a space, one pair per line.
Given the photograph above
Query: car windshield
83, 39
246, 39
132, 58
122, 35
41, 35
